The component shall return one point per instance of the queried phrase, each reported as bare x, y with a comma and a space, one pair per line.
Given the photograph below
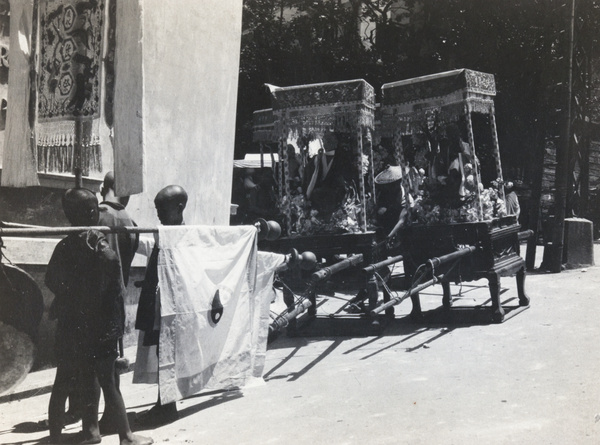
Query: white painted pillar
179, 127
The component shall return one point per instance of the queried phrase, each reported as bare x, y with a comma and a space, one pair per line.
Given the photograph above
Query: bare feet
136, 440
78, 438
88, 440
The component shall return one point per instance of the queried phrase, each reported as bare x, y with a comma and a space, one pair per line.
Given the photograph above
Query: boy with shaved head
112, 213
170, 203
84, 275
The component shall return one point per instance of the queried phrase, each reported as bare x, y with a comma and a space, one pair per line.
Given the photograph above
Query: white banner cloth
264, 295
215, 293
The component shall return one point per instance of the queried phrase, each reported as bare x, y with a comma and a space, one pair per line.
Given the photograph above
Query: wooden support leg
497, 309
372, 293
288, 299
447, 298
523, 298
416, 313
359, 300
389, 312
373, 296
312, 310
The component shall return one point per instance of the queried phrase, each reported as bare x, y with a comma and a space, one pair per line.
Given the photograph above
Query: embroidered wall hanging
69, 76
70, 59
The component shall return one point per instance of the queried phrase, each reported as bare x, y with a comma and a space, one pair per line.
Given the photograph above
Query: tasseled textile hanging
69, 78
55, 141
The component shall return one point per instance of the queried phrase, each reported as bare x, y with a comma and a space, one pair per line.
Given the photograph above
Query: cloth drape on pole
214, 299
264, 295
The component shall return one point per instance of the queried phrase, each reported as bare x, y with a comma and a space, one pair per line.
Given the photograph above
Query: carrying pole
438, 261
62, 231
283, 320
397, 300
326, 272
376, 266
431, 265
307, 301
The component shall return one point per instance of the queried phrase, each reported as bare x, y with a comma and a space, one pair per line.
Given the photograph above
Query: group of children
88, 273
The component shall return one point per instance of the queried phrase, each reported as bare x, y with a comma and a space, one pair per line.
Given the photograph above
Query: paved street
530, 380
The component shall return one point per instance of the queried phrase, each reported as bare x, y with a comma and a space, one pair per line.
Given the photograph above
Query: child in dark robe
170, 203
84, 275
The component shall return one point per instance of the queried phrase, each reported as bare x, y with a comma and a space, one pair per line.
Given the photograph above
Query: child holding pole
84, 275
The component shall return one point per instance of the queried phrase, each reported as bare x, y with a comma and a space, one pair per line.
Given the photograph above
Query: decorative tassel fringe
55, 148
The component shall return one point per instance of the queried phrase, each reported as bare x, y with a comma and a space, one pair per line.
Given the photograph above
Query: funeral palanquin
325, 134
436, 136
443, 126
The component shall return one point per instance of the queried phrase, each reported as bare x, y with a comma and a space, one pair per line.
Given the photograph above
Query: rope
385, 286
2, 254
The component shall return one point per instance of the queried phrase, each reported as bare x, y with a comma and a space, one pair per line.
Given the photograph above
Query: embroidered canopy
452, 94
417, 117
331, 106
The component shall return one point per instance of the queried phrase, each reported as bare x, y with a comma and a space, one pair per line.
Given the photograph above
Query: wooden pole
60, 231
20, 231
539, 149
562, 164
536, 193
77, 154
537, 175
476, 166
262, 155
409, 293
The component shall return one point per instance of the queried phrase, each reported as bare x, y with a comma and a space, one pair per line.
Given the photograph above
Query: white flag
214, 298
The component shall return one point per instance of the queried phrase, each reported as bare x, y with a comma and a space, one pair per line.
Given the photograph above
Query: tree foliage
522, 42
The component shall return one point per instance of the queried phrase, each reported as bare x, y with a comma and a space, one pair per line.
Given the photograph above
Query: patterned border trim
324, 94
426, 88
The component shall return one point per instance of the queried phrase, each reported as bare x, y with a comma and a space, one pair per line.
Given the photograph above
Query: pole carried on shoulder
266, 229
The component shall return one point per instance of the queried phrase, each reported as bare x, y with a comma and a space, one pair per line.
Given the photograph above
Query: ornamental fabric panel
70, 59
69, 75
213, 314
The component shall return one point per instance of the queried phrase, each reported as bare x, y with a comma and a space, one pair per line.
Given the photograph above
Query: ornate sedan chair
326, 184
441, 129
